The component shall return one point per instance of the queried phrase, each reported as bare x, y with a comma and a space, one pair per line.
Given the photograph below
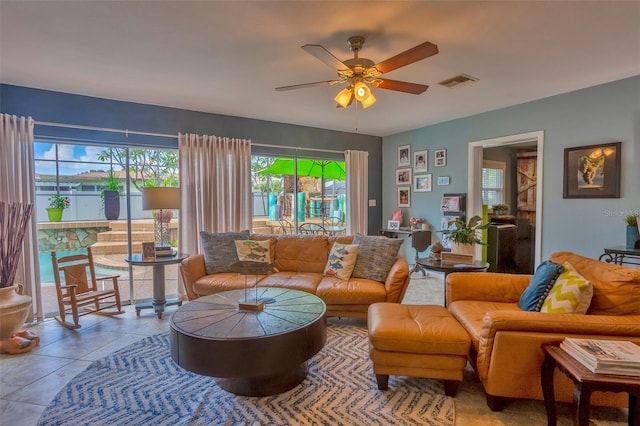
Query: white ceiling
226, 57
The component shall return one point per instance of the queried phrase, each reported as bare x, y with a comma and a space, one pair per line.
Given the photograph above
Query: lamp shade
367, 102
361, 91
160, 198
344, 97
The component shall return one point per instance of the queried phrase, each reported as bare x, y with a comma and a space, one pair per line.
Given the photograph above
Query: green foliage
146, 165
500, 207
111, 183
632, 219
467, 232
59, 202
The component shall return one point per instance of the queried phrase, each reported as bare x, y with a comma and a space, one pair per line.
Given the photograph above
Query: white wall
604, 113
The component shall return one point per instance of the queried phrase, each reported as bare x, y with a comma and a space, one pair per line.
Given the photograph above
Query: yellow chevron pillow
570, 294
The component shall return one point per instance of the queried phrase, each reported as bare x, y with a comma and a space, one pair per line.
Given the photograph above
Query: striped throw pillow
571, 293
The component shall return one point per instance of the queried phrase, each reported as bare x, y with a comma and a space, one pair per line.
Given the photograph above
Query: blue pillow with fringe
539, 286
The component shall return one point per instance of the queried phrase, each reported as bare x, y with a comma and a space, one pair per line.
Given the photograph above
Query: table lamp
161, 198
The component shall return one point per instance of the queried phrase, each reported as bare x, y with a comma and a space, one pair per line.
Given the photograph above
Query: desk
620, 255
448, 267
158, 302
420, 241
584, 383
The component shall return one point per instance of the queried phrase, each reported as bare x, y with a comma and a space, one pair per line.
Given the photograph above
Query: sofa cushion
376, 256
342, 259
539, 285
302, 253
253, 251
303, 281
616, 289
571, 293
219, 249
356, 291
223, 281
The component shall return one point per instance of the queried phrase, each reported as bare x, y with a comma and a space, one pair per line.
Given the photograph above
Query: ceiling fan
358, 73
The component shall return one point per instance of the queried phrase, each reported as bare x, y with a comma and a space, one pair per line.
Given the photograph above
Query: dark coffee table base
271, 384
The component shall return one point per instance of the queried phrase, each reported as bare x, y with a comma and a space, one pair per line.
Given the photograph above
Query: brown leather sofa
299, 262
506, 342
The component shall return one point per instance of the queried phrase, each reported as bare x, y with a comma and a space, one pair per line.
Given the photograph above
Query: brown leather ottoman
418, 341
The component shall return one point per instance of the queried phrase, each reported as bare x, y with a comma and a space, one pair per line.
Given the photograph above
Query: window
493, 173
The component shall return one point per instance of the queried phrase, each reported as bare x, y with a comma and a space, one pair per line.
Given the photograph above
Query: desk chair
420, 241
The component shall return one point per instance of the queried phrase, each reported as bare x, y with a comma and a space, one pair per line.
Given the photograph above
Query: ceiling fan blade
325, 56
407, 57
305, 85
399, 86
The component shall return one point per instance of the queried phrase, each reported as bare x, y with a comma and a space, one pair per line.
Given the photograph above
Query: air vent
458, 81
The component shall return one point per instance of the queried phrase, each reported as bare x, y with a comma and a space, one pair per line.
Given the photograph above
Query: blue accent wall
599, 114
58, 107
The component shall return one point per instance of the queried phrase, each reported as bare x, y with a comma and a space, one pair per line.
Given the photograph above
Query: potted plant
110, 197
633, 233
500, 209
464, 235
57, 204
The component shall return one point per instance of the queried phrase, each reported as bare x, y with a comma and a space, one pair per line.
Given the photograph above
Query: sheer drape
215, 187
18, 186
357, 164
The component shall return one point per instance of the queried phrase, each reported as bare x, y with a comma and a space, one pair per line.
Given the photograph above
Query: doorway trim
474, 194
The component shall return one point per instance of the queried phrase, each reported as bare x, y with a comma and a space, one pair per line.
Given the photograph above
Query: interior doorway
474, 198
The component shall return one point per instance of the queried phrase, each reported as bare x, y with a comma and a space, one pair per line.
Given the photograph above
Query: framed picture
592, 171
440, 158
404, 197
149, 251
404, 155
420, 161
422, 183
403, 176
450, 204
393, 225
443, 180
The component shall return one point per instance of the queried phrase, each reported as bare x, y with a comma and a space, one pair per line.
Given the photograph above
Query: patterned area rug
141, 385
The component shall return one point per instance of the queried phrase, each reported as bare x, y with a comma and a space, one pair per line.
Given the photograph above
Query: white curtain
357, 164
215, 187
18, 186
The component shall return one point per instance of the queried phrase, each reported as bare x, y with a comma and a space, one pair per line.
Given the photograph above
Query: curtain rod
164, 135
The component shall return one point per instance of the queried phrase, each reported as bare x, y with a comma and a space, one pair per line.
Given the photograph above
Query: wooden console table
621, 255
584, 382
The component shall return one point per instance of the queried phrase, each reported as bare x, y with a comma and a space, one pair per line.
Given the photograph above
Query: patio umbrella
323, 169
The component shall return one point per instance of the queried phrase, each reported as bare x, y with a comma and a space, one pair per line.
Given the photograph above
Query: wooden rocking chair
80, 295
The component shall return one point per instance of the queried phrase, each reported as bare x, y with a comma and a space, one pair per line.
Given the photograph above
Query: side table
159, 302
448, 267
584, 382
621, 255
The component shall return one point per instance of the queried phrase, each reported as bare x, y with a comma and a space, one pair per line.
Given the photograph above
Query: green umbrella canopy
315, 168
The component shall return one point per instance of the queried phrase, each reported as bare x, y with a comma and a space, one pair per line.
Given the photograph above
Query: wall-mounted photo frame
404, 196
149, 251
450, 204
592, 171
443, 180
422, 183
421, 161
393, 225
440, 158
403, 176
404, 156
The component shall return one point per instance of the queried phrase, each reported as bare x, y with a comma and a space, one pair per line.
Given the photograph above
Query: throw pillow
253, 251
342, 260
571, 293
539, 286
376, 256
219, 250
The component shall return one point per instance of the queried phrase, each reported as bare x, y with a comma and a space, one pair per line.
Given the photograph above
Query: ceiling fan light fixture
366, 103
344, 97
361, 91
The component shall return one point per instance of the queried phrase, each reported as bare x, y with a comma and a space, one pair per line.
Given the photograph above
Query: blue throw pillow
539, 286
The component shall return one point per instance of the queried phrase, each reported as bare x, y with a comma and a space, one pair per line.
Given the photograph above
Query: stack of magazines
617, 357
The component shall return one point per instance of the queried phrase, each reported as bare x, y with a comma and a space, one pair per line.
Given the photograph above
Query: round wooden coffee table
250, 353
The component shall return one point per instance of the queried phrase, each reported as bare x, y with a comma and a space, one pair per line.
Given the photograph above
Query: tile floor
29, 382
